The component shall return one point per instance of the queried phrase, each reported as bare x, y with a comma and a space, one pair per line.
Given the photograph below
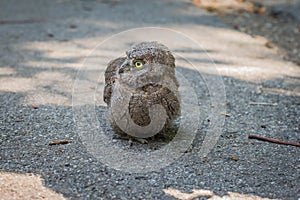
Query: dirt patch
24, 186
277, 21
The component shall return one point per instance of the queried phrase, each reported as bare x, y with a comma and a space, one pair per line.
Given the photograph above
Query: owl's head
146, 56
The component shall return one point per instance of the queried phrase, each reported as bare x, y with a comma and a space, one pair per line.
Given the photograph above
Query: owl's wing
110, 73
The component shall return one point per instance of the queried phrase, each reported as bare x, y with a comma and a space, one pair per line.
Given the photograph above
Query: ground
53, 55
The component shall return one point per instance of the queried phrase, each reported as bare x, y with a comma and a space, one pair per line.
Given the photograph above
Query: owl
141, 90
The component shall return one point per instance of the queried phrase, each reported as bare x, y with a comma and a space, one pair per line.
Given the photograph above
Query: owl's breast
145, 97
135, 94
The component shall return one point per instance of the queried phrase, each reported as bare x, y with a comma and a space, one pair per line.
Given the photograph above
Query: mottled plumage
148, 70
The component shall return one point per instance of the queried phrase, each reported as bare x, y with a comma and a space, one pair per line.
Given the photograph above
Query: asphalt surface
43, 45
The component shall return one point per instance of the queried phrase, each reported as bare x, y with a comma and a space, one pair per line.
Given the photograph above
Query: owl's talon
141, 140
121, 137
130, 142
130, 139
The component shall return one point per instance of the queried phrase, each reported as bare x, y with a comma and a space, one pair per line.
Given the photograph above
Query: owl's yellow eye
138, 64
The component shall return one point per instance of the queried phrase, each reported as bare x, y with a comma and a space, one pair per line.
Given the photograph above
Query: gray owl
141, 90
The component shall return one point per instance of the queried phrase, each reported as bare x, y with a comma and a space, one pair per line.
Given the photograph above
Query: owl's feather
110, 77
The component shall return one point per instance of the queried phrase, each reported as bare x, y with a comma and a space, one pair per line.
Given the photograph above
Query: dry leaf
207, 193
234, 158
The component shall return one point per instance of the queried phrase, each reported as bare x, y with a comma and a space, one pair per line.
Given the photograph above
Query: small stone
50, 35
269, 25
295, 51
268, 44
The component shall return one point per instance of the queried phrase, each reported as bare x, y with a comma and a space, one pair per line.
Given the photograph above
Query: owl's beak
126, 64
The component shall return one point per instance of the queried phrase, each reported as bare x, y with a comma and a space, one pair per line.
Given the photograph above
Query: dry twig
263, 103
273, 140
59, 142
24, 21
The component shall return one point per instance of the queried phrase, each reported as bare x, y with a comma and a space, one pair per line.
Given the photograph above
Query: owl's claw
141, 140
130, 138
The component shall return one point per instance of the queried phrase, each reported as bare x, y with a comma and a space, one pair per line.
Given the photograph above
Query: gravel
39, 62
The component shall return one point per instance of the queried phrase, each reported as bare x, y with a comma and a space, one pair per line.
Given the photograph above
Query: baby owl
141, 90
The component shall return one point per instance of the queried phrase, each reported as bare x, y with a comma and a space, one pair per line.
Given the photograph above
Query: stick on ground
273, 140
263, 103
24, 21
58, 142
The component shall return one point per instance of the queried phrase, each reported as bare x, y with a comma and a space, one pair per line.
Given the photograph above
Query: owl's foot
141, 140
130, 138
